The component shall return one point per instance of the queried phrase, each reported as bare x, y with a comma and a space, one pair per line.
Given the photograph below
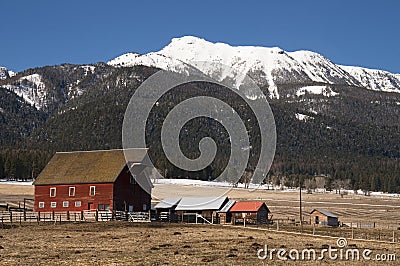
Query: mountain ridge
327, 122
274, 65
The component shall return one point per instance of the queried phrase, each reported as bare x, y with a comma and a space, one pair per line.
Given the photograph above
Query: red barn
94, 180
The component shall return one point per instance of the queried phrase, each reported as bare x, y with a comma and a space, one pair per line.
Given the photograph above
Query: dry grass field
124, 243
384, 211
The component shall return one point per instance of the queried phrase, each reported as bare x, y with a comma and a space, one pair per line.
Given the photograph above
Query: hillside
335, 121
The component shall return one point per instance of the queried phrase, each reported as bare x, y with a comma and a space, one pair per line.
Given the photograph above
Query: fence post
11, 218
97, 215
81, 215
68, 216
53, 215
394, 239
20, 220
313, 229
2, 222
60, 219
24, 212
277, 225
244, 222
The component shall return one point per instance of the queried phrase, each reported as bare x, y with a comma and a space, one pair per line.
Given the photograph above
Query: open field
124, 243
121, 243
384, 211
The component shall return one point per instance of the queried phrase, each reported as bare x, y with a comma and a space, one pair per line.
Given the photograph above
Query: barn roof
325, 212
228, 206
167, 203
247, 206
87, 166
201, 203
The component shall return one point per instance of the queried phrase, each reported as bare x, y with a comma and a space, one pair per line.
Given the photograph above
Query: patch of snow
312, 111
322, 90
24, 183
31, 89
88, 69
199, 183
5, 73
303, 117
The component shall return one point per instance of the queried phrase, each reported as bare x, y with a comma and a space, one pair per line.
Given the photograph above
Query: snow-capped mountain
267, 66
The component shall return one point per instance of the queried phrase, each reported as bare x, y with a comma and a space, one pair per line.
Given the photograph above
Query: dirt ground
383, 211
124, 243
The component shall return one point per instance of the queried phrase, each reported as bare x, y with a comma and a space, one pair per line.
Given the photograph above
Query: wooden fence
15, 217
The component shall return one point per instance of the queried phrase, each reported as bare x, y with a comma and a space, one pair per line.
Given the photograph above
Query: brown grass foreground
124, 243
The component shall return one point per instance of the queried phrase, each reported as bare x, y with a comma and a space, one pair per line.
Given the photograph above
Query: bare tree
246, 178
320, 182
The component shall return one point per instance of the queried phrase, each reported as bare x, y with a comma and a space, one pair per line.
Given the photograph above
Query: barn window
100, 207
65, 203
92, 191
52, 192
106, 207
77, 203
144, 207
71, 191
53, 204
41, 204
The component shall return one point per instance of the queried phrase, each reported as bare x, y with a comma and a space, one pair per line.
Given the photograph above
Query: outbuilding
94, 180
250, 212
165, 209
203, 209
225, 217
324, 217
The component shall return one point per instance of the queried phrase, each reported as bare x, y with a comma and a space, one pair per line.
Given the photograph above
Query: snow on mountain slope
323, 90
267, 66
31, 88
373, 79
152, 60
5, 73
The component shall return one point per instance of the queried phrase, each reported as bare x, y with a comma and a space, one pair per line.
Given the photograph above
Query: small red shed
94, 180
252, 211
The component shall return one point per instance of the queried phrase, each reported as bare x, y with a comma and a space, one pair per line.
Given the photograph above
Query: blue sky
38, 33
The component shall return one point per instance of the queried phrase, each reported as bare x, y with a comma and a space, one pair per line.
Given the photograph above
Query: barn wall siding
126, 194
103, 195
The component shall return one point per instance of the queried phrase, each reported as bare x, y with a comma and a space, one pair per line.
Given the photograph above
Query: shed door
316, 219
